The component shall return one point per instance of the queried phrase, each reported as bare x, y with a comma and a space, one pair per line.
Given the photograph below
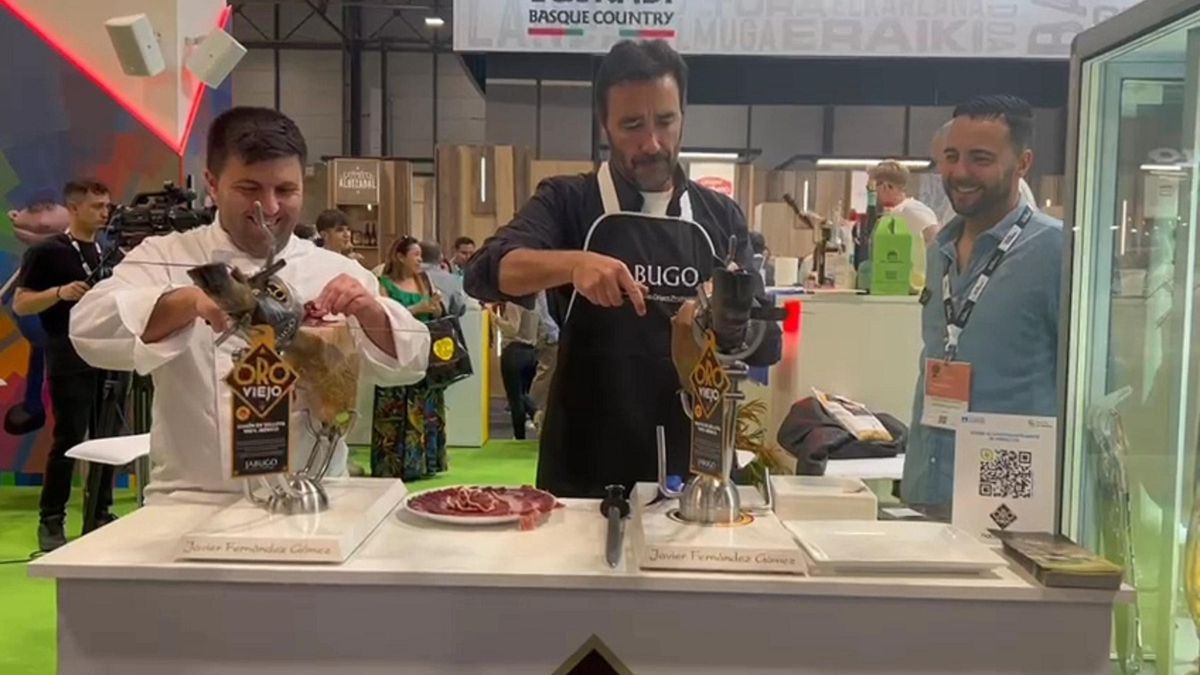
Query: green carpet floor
27, 613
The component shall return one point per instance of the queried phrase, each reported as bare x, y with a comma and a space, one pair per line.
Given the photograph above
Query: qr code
1005, 474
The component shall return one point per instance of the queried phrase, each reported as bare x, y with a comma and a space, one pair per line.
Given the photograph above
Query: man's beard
650, 173
990, 198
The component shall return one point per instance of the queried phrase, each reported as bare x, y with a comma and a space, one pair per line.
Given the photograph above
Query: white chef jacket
190, 438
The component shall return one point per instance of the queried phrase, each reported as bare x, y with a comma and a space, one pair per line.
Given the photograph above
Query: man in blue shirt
448, 285
1009, 339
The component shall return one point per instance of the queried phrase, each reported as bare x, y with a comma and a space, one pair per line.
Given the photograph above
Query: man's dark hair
305, 231
758, 243
330, 219
463, 241
431, 253
253, 135
82, 187
1014, 111
638, 61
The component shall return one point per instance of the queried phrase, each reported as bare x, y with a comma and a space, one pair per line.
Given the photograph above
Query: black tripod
123, 409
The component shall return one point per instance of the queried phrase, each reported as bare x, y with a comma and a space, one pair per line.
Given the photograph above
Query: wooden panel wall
448, 184
461, 209
421, 209
784, 232
391, 218
540, 169
396, 218
316, 192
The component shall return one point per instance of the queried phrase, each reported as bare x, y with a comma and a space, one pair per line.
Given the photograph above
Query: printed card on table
1004, 474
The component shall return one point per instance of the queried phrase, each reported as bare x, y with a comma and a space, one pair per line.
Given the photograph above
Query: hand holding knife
615, 508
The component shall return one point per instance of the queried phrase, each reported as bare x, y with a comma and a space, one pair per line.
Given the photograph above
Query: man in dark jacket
619, 251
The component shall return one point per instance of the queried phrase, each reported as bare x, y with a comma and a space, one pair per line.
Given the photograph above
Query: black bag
449, 360
813, 437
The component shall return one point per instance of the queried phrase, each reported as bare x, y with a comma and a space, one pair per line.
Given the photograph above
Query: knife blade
615, 508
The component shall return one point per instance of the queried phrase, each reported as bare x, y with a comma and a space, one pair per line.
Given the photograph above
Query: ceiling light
1174, 168
435, 21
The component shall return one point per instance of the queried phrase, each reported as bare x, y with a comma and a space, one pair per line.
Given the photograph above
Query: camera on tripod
149, 215
156, 213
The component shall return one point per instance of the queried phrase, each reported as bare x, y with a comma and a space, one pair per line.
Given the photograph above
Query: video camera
155, 213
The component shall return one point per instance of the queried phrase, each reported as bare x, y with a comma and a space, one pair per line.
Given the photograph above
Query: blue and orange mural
57, 124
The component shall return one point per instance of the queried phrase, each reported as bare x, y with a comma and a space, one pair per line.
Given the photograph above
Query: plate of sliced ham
482, 505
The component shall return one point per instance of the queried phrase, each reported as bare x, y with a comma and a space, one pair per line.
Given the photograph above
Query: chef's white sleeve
411, 341
107, 323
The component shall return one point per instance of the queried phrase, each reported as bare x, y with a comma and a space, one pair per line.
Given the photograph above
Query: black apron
614, 381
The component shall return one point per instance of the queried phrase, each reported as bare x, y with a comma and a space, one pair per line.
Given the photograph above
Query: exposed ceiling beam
320, 12
391, 44
385, 4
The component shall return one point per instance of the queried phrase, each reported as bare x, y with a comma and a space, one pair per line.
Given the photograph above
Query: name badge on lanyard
947, 395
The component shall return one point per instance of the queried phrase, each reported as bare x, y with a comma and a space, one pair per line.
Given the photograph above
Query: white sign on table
1004, 474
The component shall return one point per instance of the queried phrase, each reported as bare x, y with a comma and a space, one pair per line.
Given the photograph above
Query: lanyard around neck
956, 321
87, 269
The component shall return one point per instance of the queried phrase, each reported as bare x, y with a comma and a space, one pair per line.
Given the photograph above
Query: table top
891, 468
566, 553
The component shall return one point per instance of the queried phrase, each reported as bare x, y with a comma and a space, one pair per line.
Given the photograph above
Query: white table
420, 598
884, 468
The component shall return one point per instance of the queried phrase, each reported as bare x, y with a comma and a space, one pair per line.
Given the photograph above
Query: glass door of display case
1132, 404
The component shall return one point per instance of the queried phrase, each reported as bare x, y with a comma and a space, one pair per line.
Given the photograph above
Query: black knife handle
614, 496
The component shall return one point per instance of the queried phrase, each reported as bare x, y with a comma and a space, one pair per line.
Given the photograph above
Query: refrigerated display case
1131, 399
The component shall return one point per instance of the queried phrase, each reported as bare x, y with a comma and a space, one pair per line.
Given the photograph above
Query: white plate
892, 547
456, 520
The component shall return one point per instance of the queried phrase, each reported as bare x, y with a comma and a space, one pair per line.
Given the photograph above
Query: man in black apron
620, 250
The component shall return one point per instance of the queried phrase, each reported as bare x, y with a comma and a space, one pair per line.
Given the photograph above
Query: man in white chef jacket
150, 318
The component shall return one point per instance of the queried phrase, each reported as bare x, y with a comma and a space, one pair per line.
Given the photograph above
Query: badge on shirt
262, 384
947, 393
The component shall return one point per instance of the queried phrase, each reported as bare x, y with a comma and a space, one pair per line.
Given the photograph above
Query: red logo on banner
717, 184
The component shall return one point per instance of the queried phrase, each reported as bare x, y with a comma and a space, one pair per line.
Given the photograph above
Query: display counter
419, 597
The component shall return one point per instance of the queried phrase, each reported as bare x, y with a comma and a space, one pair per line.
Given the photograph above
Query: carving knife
615, 508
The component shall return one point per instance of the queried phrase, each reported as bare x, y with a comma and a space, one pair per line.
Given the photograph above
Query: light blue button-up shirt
1011, 339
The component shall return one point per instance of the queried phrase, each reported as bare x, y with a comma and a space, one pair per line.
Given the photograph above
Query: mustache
962, 184
648, 160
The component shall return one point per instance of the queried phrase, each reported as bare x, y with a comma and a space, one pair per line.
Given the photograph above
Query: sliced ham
468, 502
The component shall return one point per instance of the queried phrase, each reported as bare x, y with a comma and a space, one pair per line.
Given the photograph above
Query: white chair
114, 451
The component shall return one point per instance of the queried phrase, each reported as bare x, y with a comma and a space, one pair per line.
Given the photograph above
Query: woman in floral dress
408, 437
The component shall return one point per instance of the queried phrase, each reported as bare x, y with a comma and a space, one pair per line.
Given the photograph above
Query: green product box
891, 257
